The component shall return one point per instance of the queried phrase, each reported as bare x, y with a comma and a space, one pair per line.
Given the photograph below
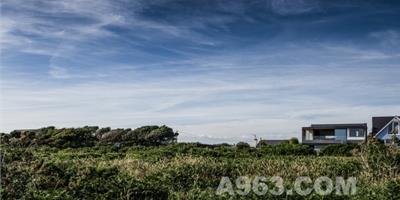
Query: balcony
324, 137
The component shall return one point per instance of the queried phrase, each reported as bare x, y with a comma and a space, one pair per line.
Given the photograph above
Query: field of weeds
182, 171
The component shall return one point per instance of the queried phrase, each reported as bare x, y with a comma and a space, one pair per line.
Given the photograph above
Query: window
340, 134
394, 127
309, 135
357, 132
390, 128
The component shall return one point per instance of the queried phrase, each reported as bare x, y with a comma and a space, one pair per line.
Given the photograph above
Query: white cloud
58, 72
388, 37
41, 19
292, 7
208, 107
6, 36
223, 95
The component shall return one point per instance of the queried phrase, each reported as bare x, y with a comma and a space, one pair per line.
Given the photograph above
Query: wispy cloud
72, 20
387, 37
265, 104
217, 71
293, 7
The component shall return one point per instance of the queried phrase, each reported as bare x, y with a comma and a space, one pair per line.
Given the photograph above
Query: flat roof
332, 126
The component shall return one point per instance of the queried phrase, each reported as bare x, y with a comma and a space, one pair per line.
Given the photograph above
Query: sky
215, 71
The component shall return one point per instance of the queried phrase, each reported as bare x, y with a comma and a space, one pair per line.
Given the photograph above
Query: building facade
386, 128
321, 135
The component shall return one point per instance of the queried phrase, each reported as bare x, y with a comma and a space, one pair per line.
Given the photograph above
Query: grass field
180, 171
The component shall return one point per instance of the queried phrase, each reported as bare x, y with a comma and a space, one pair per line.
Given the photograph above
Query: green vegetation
294, 141
89, 136
242, 145
340, 150
138, 170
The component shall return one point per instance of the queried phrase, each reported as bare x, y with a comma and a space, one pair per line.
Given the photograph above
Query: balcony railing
329, 137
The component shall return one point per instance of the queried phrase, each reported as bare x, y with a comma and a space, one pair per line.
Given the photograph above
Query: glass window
390, 128
309, 135
396, 127
357, 132
340, 134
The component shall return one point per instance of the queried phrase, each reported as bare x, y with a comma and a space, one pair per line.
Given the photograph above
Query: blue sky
216, 71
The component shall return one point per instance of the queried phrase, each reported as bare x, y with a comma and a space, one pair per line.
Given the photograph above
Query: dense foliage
89, 136
287, 149
294, 141
340, 150
242, 145
32, 170
178, 171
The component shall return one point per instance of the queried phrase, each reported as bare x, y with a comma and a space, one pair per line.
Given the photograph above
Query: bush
112, 136
74, 137
4, 138
262, 143
339, 150
294, 141
89, 136
392, 189
160, 135
288, 149
242, 145
100, 132
380, 161
185, 171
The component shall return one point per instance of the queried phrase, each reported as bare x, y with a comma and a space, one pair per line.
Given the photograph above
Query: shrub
242, 145
379, 161
89, 136
151, 135
4, 138
392, 189
74, 137
294, 141
185, 171
99, 133
112, 136
339, 150
161, 135
287, 149
262, 143
395, 140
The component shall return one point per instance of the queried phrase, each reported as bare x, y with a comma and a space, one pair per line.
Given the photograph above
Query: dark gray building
321, 135
384, 128
378, 123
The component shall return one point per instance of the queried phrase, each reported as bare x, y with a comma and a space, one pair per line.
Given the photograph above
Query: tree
74, 137
262, 143
113, 136
138, 135
100, 132
22, 138
285, 142
242, 145
4, 138
90, 135
293, 140
161, 135
379, 161
150, 135
395, 139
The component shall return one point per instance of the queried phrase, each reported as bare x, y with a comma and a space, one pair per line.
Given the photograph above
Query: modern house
384, 128
321, 135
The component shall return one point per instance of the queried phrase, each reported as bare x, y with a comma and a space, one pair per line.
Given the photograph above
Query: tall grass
175, 171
